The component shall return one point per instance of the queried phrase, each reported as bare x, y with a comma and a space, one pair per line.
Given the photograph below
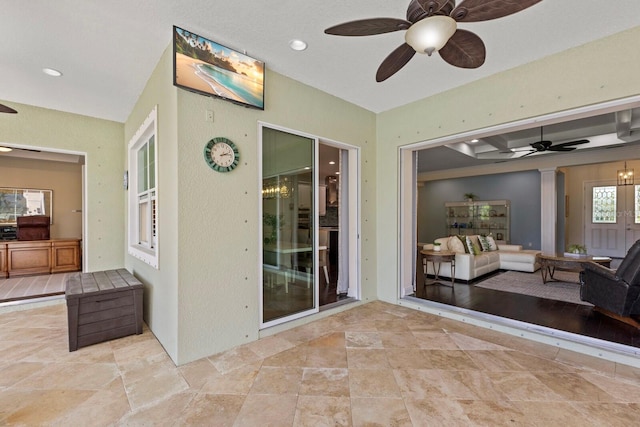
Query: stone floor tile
267, 410
609, 414
277, 380
218, 410
238, 381
436, 412
325, 382
379, 412
367, 358
493, 413
373, 383
574, 387
420, 384
317, 411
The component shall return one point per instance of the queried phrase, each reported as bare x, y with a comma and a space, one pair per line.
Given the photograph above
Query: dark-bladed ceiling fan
431, 25
545, 145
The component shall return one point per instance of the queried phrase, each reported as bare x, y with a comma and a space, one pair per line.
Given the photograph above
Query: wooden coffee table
549, 264
436, 258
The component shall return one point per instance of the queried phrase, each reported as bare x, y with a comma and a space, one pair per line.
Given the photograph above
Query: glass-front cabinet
479, 217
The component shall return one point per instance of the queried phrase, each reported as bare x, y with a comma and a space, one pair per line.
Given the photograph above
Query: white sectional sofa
469, 266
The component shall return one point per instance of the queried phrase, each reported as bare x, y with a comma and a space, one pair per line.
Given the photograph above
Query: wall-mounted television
208, 68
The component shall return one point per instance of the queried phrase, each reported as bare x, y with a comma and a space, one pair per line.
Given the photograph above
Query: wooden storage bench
102, 306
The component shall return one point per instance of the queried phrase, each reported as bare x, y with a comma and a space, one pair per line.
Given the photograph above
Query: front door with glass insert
612, 222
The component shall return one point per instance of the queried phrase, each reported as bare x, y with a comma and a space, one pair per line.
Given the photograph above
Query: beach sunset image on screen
209, 68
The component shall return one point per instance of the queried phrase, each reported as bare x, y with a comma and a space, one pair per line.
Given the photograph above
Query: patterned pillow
484, 243
473, 247
492, 243
463, 240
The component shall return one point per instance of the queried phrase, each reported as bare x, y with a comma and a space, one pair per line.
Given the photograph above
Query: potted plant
577, 249
470, 197
437, 246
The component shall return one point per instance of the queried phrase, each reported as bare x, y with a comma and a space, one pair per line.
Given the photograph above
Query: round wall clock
221, 155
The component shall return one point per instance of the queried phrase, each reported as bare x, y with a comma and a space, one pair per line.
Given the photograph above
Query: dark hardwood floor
563, 316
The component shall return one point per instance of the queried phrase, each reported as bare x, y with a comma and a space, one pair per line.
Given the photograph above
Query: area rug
18, 288
567, 289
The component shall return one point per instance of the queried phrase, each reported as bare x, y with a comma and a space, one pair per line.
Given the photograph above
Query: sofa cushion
473, 245
493, 246
456, 245
484, 243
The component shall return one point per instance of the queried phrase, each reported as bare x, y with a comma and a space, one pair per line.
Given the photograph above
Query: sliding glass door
289, 254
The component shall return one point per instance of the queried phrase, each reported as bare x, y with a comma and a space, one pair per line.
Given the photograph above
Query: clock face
221, 155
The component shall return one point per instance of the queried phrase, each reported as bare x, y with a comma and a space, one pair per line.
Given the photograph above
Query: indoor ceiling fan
431, 25
545, 145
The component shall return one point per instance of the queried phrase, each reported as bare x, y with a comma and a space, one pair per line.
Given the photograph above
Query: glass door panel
288, 199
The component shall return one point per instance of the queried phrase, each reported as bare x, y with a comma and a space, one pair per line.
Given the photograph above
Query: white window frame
145, 252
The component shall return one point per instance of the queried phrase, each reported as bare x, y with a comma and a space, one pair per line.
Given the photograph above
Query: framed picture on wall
15, 202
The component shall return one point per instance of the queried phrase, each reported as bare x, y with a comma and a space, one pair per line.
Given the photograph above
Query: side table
436, 258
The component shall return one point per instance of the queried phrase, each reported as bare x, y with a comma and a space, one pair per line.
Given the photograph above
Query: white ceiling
108, 49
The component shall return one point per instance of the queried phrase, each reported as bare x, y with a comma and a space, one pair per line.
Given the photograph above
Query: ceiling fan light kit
430, 34
431, 25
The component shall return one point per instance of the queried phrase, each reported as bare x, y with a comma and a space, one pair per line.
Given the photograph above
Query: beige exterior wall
65, 179
591, 74
101, 143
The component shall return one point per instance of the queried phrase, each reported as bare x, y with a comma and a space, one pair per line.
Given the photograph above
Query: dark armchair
614, 292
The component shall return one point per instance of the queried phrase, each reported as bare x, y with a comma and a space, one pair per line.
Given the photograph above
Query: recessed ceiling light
5, 149
296, 44
51, 72
474, 140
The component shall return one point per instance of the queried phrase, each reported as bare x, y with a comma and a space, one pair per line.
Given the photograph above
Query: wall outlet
208, 115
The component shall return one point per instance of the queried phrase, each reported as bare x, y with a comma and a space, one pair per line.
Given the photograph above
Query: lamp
625, 176
430, 34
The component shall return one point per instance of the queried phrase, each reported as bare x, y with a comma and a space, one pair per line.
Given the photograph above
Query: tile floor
375, 364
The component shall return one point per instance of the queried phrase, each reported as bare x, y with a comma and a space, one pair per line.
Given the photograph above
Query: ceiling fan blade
464, 49
484, 10
5, 109
529, 153
394, 62
559, 148
368, 27
572, 143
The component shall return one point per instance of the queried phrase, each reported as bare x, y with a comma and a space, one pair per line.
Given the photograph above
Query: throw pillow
463, 240
492, 243
484, 243
473, 247
456, 245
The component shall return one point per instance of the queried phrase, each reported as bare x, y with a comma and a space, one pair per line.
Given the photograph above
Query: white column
548, 210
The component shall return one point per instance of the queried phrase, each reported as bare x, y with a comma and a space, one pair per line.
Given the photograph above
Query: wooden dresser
102, 306
26, 257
